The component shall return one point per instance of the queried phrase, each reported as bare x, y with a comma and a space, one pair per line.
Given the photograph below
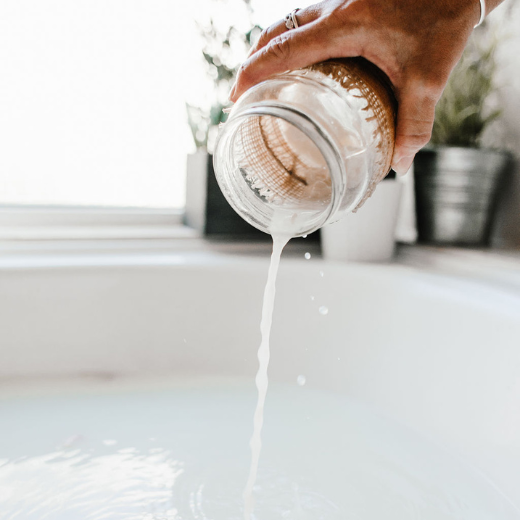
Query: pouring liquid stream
279, 242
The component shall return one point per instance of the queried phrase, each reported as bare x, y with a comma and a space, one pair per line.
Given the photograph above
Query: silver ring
290, 20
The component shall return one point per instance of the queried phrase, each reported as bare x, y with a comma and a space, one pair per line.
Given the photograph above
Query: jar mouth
279, 169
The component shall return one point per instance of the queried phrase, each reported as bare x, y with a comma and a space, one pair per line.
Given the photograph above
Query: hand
417, 43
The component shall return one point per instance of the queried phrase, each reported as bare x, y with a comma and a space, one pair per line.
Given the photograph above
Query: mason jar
303, 148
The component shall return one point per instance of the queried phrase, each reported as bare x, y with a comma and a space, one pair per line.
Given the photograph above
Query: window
92, 98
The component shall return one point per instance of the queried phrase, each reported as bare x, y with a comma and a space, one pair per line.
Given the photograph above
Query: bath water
178, 451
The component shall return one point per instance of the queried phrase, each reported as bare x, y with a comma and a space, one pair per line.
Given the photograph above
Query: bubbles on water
323, 310
307, 256
301, 379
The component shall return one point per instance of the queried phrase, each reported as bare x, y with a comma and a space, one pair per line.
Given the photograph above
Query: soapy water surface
182, 453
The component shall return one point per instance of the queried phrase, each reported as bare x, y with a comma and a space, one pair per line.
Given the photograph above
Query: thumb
290, 50
414, 125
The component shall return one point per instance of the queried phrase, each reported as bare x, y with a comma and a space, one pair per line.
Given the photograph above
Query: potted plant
457, 179
206, 208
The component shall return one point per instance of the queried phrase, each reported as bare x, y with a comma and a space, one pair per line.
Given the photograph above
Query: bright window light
92, 98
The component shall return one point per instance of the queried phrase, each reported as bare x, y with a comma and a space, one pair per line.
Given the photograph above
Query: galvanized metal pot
456, 191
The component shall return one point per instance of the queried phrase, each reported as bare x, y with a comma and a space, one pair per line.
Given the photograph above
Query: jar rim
309, 128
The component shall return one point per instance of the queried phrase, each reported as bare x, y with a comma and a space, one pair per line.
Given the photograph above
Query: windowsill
100, 232
184, 247
499, 268
60, 236
39, 223
54, 237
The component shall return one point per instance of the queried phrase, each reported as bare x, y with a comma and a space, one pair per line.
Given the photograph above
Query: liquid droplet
323, 310
304, 236
307, 256
301, 380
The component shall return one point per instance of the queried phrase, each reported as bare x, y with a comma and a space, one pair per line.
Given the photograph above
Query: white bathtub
436, 352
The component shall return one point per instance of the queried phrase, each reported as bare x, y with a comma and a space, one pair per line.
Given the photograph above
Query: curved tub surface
401, 388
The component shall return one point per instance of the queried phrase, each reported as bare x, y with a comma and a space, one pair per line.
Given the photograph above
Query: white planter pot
369, 234
197, 190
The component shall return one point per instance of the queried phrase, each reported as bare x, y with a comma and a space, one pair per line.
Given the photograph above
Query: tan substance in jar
364, 80
288, 167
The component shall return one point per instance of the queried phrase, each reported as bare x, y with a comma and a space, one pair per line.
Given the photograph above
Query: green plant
463, 112
223, 51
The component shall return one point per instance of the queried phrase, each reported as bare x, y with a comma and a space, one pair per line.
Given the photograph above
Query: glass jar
304, 147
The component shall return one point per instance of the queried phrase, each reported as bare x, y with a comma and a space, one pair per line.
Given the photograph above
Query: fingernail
402, 165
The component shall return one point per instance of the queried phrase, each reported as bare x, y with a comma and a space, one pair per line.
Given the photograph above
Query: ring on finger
291, 22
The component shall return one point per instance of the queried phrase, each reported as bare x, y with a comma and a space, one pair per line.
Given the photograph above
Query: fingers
414, 125
292, 49
267, 35
303, 16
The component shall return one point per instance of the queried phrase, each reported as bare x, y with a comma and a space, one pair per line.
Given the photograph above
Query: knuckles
418, 140
280, 47
413, 139
265, 36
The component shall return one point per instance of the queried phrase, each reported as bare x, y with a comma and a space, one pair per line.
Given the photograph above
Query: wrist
465, 12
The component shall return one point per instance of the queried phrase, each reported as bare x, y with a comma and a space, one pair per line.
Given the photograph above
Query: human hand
417, 43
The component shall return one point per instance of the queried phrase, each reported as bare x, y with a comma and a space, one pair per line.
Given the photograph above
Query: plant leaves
460, 115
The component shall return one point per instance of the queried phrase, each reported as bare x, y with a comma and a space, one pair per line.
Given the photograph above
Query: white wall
507, 131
